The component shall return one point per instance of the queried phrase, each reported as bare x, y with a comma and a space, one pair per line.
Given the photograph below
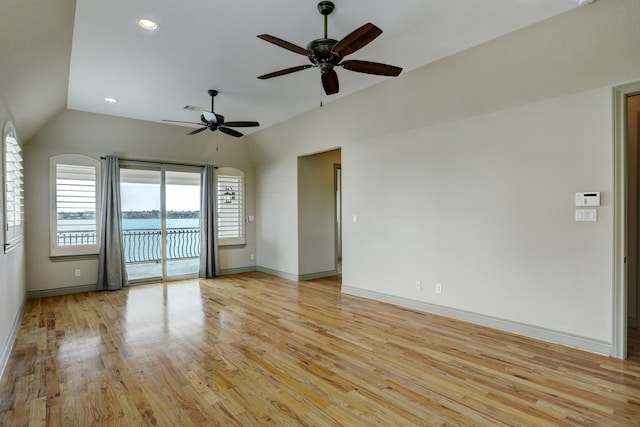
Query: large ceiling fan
326, 53
212, 121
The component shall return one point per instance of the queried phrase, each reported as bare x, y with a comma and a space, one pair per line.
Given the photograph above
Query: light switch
586, 215
355, 218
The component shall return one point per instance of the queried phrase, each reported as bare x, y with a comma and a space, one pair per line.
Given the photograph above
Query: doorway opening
633, 222
319, 201
161, 222
626, 235
337, 178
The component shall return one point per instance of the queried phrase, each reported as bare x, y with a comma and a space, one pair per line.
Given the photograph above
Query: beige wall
276, 218
95, 135
479, 156
12, 269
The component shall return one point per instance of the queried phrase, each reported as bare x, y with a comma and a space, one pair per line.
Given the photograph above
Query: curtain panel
112, 274
209, 262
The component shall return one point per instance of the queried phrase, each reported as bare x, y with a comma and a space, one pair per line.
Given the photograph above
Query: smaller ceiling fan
326, 53
212, 121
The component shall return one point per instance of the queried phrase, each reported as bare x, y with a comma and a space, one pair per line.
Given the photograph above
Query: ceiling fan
212, 121
326, 53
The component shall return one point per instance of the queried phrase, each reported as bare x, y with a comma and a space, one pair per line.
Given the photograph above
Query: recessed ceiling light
147, 24
110, 99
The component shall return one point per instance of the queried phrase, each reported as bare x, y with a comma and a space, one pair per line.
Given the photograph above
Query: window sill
65, 258
8, 247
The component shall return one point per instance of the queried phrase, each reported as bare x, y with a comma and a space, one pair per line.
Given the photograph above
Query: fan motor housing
321, 54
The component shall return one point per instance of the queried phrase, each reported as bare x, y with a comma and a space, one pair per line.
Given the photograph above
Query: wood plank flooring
255, 350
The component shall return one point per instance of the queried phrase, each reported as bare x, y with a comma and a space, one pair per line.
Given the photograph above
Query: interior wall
276, 218
34, 63
479, 156
487, 211
316, 214
95, 135
12, 268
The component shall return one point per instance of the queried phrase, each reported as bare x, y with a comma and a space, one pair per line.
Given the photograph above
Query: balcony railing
144, 245
76, 238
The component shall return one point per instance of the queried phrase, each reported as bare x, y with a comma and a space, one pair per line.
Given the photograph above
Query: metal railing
145, 245
76, 238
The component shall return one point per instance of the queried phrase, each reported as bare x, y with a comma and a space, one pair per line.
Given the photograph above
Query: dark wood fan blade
284, 44
193, 132
330, 82
356, 39
371, 68
178, 121
241, 124
229, 131
285, 71
193, 108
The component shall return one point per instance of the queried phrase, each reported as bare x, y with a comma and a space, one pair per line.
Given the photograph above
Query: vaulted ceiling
72, 54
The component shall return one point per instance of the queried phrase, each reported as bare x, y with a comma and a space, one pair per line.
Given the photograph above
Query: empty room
320, 213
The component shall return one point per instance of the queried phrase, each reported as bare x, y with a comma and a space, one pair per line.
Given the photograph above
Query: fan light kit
326, 53
147, 24
212, 121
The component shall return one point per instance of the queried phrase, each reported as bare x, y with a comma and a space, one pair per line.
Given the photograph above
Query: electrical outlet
78, 272
253, 257
438, 288
418, 285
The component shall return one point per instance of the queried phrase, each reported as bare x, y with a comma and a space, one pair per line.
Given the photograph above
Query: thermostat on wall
588, 199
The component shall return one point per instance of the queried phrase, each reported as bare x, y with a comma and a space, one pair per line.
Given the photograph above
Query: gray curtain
209, 262
111, 269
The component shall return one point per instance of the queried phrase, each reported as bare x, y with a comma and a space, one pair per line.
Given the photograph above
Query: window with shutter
75, 209
13, 189
230, 184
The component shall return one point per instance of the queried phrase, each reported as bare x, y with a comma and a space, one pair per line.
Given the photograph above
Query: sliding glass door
161, 222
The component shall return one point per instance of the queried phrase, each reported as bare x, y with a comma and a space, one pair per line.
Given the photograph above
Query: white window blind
230, 208
75, 205
13, 191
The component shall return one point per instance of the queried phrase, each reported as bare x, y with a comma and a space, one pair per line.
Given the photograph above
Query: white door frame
619, 336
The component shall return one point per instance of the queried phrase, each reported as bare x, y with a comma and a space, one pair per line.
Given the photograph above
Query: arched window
75, 205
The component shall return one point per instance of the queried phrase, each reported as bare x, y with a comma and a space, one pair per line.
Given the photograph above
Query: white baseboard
62, 291
297, 278
7, 346
224, 272
319, 275
282, 274
545, 334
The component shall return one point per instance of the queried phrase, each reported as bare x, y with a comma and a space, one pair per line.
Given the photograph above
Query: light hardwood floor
255, 350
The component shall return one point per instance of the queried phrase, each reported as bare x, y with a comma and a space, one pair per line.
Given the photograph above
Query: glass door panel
182, 207
140, 194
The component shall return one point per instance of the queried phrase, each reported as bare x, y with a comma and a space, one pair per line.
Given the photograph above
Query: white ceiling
212, 44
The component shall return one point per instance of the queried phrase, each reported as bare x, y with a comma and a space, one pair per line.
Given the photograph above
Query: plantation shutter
230, 209
76, 202
14, 203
